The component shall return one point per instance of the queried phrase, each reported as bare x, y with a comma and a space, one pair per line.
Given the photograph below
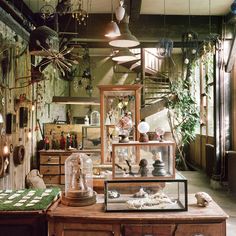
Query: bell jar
78, 181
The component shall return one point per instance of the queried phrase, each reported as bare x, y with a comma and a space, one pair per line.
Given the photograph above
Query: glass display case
146, 195
143, 160
91, 138
120, 114
78, 181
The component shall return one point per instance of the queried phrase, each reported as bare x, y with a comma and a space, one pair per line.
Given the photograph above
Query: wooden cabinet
25, 223
148, 229
214, 229
92, 220
52, 164
85, 229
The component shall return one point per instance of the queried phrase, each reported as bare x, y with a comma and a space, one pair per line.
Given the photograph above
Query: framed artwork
23, 121
10, 123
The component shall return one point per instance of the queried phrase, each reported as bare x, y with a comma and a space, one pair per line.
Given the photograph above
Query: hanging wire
164, 18
112, 10
209, 16
189, 14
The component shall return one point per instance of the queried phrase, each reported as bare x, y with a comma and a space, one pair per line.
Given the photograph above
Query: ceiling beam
25, 10
132, 8
24, 20
149, 29
8, 20
135, 9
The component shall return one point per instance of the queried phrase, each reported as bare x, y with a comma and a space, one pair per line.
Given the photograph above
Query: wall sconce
5, 149
33, 107
1, 119
29, 134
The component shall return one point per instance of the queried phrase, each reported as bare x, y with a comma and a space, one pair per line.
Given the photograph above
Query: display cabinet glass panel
120, 114
146, 195
143, 160
91, 138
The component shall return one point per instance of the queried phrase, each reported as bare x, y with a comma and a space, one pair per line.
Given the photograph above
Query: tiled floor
198, 181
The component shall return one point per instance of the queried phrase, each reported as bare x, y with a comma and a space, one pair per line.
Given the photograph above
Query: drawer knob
49, 159
198, 234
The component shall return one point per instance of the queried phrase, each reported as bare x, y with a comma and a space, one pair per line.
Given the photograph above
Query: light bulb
5, 149
186, 61
33, 107
29, 134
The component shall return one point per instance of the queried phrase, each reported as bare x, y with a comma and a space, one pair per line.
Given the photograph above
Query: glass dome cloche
78, 181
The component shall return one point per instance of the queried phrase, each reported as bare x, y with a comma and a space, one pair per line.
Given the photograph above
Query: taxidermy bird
95, 141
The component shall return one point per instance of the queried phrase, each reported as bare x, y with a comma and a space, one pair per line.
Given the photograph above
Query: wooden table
92, 220
23, 223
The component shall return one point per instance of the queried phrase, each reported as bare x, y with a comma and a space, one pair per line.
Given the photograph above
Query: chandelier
79, 13
75, 8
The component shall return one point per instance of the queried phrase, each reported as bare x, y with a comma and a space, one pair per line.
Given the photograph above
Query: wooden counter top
70, 151
95, 213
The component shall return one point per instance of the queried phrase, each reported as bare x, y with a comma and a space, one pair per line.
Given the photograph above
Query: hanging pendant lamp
120, 11
112, 29
124, 55
126, 39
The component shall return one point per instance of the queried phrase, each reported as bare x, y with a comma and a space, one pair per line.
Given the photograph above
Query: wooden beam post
232, 53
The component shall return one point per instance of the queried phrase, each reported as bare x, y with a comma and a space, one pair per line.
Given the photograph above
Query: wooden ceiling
149, 7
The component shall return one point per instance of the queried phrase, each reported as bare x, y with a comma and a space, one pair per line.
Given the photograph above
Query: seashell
203, 199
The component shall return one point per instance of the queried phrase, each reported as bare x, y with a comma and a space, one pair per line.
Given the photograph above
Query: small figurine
68, 117
143, 170
158, 165
140, 194
78, 182
203, 199
108, 121
62, 141
113, 194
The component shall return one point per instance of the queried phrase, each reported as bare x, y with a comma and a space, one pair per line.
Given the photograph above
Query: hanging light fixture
112, 29
124, 55
80, 14
233, 7
165, 47
126, 39
120, 11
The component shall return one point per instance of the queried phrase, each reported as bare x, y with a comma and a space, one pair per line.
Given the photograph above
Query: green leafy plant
183, 117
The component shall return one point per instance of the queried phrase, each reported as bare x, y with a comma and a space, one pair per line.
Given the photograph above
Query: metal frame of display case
134, 89
155, 184
137, 145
